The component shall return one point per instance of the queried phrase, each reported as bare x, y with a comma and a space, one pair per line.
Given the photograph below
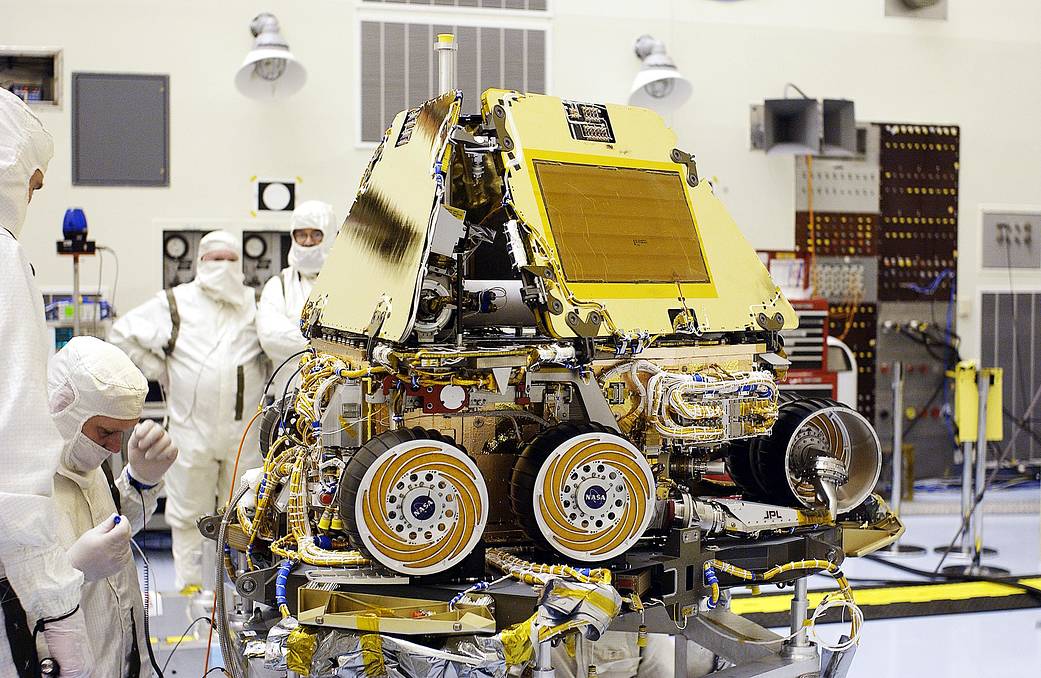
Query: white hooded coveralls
31, 557
214, 376
284, 295
89, 377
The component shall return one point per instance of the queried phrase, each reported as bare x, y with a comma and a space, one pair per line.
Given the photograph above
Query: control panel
1010, 239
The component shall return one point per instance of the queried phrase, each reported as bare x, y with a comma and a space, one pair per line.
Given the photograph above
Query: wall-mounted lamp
659, 85
270, 70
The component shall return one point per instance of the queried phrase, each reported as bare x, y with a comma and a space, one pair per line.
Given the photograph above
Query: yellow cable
845, 590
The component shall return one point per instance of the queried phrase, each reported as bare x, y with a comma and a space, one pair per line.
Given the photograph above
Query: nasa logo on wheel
422, 508
595, 497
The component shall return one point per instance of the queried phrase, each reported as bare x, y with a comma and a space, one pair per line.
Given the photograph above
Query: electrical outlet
1010, 239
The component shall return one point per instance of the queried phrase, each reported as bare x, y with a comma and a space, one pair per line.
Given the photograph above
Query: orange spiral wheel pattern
421, 505
592, 495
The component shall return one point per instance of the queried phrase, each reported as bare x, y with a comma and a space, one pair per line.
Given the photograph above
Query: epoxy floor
983, 645
987, 644
990, 644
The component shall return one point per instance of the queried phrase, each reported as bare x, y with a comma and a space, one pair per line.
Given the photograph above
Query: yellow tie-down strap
890, 595
372, 655
516, 642
593, 597
369, 621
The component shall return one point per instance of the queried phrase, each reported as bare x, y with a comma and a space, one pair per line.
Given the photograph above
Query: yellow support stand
978, 419
967, 399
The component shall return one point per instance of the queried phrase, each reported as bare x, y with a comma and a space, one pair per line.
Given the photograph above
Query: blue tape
479, 586
710, 579
282, 576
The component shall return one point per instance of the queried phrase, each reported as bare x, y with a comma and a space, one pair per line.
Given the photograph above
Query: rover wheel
583, 491
413, 501
810, 433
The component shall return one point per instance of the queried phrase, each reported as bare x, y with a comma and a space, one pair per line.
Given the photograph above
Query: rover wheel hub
594, 496
422, 507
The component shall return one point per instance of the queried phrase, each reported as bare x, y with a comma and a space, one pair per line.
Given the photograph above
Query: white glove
151, 452
250, 479
103, 550
67, 644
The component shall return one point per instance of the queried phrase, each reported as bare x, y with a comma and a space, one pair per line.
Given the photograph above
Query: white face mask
222, 280
307, 260
83, 455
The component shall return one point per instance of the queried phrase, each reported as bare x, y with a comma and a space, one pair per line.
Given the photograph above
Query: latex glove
151, 452
102, 551
67, 644
250, 479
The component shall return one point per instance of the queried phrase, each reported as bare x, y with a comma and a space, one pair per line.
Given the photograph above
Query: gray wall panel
536, 61
1008, 339
371, 81
399, 69
395, 98
466, 69
513, 59
120, 129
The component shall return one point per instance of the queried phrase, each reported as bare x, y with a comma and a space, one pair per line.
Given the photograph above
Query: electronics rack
919, 207
837, 234
883, 243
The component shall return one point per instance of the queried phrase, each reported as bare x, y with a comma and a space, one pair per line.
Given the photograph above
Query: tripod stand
974, 485
896, 549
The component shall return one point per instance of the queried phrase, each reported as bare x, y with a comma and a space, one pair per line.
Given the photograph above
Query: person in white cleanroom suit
200, 341
314, 229
37, 576
96, 395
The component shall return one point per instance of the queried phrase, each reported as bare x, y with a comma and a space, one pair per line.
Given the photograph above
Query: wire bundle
281, 578
537, 573
291, 459
693, 406
843, 598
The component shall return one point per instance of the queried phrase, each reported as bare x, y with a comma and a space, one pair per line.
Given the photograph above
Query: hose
147, 577
231, 660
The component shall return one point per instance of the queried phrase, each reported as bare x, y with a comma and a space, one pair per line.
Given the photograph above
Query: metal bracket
774, 323
555, 306
314, 317
379, 316
544, 272
209, 526
687, 159
469, 143
499, 120
836, 664
254, 584
597, 409
589, 327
